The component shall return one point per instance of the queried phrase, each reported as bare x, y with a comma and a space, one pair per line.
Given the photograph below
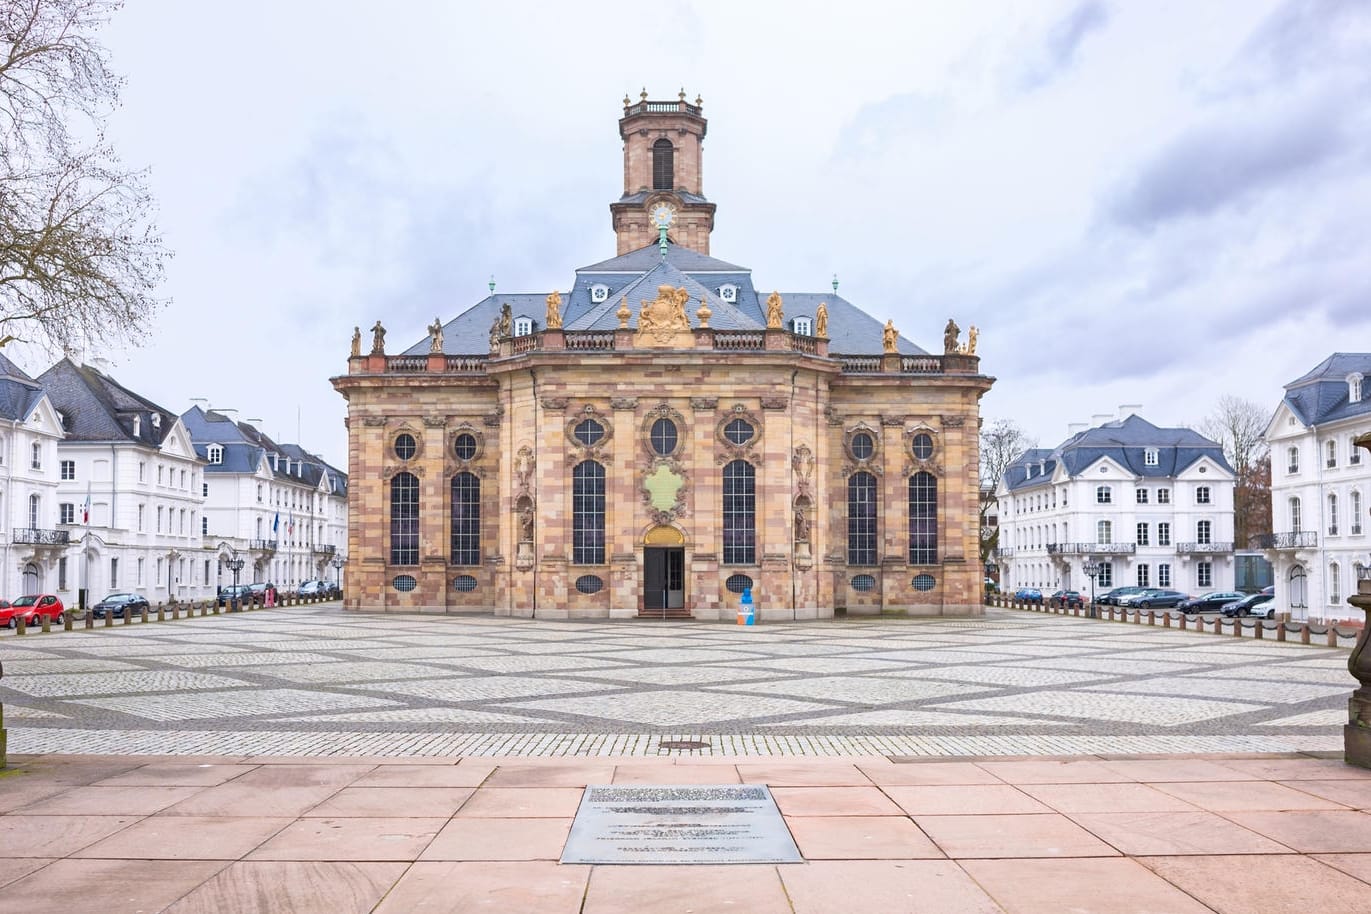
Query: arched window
1294, 515
1332, 514
861, 519
404, 519
1334, 583
466, 519
740, 513
1203, 532
1104, 532
1292, 459
663, 166
1299, 594
923, 519
1354, 382
588, 514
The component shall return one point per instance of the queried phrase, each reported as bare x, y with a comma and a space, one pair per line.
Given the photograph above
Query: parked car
1210, 602
1132, 599
116, 604
1067, 598
1111, 598
315, 589
1029, 595
31, 608
1247, 605
1263, 609
239, 592
1159, 597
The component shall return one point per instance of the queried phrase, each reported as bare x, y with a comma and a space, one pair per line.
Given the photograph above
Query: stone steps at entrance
678, 613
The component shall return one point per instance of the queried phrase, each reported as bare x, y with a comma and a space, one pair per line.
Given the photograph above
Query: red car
30, 608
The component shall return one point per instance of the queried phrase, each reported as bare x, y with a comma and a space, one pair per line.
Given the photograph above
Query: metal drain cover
682, 744
728, 823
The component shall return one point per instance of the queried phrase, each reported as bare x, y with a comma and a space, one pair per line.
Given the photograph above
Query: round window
464, 583
465, 446
864, 583
405, 446
737, 583
739, 431
589, 583
862, 446
663, 436
923, 582
589, 432
923, 445
404, 583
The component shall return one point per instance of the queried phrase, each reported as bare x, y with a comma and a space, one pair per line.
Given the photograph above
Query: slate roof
642, 195
98, 408
636, 276
1321, 395
19, 393
1124, 441
245, 447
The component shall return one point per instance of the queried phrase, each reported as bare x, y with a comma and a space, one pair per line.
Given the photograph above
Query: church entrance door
663, 578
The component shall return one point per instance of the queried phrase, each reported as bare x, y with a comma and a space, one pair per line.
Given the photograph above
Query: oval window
864, 582
589, 583
464, 583
739, 431
405, 446
862, 446
404, 583
923, 582
923, 445
589, 432
465, 446
737, 583
663, 436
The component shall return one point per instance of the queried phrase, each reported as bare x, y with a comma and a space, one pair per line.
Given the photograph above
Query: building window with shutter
663, 165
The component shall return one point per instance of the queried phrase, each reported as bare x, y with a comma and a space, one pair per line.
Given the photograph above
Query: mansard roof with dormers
1322, 395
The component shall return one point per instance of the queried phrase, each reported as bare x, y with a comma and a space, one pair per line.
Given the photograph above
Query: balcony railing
1364, 573
1298, 539
263, 545
323, 549
1004, 552
35, 537
1203, 548
1091, 548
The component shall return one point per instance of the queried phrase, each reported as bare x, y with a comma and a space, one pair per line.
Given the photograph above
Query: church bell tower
663, 175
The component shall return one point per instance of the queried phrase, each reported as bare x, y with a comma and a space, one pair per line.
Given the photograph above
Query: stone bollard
128, 616
143, 616
90, 618
1258, 629
109, 619
1237, 627
66, 622
161, 613
1304, 633
1183, 619
45, 624
1151, 617
175, 611
19, 626
1332, 636
1280, 630
1166, 620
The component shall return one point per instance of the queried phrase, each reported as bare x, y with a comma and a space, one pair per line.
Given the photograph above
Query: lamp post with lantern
1091, 568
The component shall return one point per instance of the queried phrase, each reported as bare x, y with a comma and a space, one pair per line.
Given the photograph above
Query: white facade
1153, 507
36, 554
1321, 491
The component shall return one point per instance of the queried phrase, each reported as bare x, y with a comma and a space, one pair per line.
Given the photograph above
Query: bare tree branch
1240, 427
1002, 442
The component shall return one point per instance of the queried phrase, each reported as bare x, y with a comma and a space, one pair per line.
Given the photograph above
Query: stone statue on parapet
378, 339
435, 336
889, 336
821, 321
774, 315
554, 312
356, 341
950, 333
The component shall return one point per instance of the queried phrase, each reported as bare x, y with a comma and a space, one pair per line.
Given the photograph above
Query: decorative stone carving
662, 322
374, 421
465, 428
821, 321
555, 404
889, 338
493, 420
950, 333
356, 342
775, 316
378, 339
388, 470
664, 490
596, 451
892, 421
435, 336
727, 449
623, 403
802, 463
501, 327
661, 411
834, 417
434, 422
623, 314
703, 315
953, 421
524, 465
554, 312
775, 402
703, 403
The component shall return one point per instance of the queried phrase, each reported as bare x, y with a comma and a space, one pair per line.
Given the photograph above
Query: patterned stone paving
317, 681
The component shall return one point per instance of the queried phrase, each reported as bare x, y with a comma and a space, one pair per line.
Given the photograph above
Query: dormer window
215, 454
599, 292
156, 420
803, 326
1354, 388
729, 293
1150, 457
523, 326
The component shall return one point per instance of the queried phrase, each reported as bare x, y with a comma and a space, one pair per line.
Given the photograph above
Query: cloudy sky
1154, 203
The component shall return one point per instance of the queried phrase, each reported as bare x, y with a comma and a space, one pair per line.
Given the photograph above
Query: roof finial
661, 240
681, 96
626, 100
491, 284
835, 283
699, 102
643, 94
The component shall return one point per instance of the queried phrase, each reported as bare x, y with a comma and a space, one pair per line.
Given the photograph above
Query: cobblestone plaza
315, 681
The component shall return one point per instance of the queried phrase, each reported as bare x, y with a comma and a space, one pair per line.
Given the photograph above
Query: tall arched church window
740, 513
923, 519
861, 519
466, 519
404, 519
588, 514
663, 165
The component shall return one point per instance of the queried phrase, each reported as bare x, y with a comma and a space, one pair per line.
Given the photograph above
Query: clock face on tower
663, 214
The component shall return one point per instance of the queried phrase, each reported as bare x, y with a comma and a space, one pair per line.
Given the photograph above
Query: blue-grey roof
96, 407
1321, 394
635, 276
245, 447
1126, 442
19, 393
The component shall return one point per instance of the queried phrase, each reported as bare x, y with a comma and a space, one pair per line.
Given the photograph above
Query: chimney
1100, 418
1075, 428
1128, 409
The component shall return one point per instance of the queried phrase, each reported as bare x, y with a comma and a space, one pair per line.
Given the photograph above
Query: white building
279, 509
129, 489
1320, 489
1152, 506
35, 540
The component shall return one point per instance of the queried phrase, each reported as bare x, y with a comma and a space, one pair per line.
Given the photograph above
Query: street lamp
338, 562
172, 556
235, 565
1091, 568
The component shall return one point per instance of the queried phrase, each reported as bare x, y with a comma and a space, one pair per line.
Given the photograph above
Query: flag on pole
85, 508
276, 523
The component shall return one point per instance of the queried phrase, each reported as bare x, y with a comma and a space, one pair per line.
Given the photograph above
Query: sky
1137, 203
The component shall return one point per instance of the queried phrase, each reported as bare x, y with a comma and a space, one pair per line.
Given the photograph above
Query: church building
663, 436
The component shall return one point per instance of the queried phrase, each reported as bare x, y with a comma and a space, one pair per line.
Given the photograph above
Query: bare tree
80, 256
1002, 442
1240, 427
